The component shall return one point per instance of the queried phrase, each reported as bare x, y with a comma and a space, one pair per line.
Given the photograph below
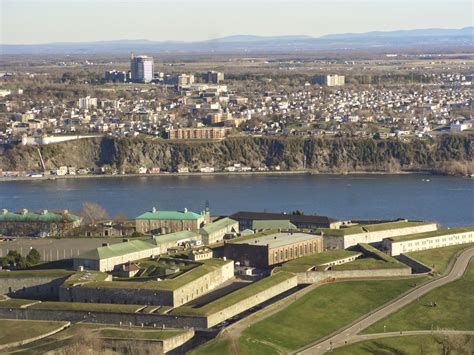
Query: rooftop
175, 237
119, 249
437, 233
367, 228
217, 225
294, 218
277, 240
273, 224
169, 215
44, 216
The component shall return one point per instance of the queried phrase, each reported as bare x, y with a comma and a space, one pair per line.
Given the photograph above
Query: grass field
139, 334
416, 344
438, 258
35, 273
15, 303
454, 310
17, 330
89, 307
315, 315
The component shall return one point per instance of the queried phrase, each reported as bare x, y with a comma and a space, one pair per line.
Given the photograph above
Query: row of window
294, 252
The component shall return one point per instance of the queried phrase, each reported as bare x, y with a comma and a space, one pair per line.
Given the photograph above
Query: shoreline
220, 173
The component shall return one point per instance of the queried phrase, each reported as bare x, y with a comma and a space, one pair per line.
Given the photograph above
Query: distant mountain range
433, 38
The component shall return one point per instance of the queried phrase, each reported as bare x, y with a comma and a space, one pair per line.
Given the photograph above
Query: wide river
447, 200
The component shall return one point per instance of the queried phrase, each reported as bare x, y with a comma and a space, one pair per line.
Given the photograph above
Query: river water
447, 200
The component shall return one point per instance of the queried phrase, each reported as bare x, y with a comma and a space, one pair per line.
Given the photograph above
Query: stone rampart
31, 287
252, 301
311, 277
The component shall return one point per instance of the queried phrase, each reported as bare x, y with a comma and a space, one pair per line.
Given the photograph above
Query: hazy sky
43, 21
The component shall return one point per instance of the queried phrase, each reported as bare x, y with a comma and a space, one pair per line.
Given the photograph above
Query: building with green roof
214, 232
107, 257
37, 224
429, 240
163, 222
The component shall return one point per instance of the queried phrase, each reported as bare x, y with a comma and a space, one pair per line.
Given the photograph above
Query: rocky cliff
319, 154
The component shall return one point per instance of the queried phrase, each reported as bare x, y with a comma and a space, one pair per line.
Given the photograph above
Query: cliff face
321, 154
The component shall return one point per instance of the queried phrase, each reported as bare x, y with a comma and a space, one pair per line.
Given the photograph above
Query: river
447, 200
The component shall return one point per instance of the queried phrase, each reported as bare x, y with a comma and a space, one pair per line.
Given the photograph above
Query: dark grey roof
293, 218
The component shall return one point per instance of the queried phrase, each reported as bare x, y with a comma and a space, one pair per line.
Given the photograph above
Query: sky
46, 21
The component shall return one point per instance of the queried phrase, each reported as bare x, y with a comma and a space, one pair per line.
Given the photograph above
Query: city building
246, 219
198, 133
214, 232
200, 254
214, 77
329, 80
429, 240
115, 76
43, 224
141, 68
87, 102
262, 251
163, 222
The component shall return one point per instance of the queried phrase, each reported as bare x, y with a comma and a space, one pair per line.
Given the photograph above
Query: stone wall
252, 301
316, 276
177, 341
174, 298
106, 318
31, 287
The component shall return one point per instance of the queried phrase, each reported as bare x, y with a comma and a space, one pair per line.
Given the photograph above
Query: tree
33, 257
93, 212
120, 218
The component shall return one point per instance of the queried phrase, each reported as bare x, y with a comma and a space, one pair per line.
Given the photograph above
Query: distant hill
432, 38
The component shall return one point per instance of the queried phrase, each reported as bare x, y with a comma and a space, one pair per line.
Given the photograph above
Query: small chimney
44, 211
153, 209
185, 210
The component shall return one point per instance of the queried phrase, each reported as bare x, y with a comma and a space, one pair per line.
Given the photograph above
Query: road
350, 335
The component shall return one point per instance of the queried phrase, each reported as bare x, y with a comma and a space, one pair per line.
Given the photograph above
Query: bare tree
93, 212
453, 342
120, 218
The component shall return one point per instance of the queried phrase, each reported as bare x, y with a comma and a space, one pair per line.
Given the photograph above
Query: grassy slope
455, 309
90, 307
16, 330
438, 258
307, 262
416, 344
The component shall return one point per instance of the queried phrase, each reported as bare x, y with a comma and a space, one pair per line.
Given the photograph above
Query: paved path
350, 334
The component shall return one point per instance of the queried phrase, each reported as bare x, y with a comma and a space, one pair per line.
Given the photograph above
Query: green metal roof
273, 224
170, 215
174, 237
119, 249
44, 216
217, 225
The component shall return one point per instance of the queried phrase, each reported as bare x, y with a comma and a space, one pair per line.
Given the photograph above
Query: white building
87, 102
430, 240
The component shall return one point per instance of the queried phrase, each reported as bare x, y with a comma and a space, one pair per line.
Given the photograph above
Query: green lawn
85, 277
416, 344
35, 273
368, 264
307, 262
17, 330
214, 347
15, 303
454, 310
89, 307
438, 258
236, 296
140, 334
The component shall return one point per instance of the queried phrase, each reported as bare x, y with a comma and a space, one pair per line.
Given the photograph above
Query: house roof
118, 249
175, 237
273, 224
43, 216
169, 215
293, 218
217, 225
437, 233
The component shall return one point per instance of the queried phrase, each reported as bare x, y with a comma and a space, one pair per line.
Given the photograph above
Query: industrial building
163, 222
214, 232
43, 224
429, 240
262, 251
246, 219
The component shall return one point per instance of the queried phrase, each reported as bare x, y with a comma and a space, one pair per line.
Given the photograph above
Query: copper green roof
118, 249
273, 224
44, 216
170, 215
217, 226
